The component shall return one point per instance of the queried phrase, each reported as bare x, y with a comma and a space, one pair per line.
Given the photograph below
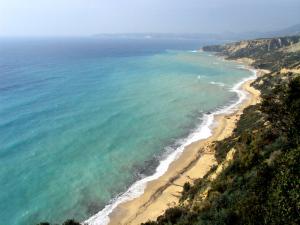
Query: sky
88, 17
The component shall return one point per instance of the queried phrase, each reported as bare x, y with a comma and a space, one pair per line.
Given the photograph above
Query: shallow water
82, 119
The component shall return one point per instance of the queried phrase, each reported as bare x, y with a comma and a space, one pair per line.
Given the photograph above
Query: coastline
193, 161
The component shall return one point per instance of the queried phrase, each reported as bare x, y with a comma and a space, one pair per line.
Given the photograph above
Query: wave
202, 132
217, 83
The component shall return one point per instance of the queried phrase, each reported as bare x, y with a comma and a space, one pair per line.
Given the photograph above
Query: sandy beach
194, 162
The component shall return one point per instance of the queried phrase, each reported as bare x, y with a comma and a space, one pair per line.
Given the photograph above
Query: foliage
67, 222
71, 222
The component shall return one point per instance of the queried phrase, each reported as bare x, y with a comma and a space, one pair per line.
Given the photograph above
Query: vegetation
261, 184
67, 222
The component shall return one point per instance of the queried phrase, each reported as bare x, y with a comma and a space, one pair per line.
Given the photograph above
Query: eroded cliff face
252, 47
269, 53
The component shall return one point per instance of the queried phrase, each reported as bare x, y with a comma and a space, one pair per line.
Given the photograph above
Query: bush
71, 222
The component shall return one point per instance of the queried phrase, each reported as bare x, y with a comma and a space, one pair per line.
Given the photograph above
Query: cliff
268, 53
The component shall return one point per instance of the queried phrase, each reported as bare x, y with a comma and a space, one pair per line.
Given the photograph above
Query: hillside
257, 179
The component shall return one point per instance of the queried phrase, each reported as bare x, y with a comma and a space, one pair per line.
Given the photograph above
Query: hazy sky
85, 17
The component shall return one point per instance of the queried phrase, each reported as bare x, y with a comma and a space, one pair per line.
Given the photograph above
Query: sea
85, 123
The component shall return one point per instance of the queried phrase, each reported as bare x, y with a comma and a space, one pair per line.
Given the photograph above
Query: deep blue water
82, 118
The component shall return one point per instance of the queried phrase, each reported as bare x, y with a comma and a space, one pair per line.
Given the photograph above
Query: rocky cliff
268, 53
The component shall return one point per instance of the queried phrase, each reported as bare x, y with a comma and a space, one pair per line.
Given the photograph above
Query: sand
195, 162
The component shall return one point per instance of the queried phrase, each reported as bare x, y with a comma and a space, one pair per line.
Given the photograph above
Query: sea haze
83, 119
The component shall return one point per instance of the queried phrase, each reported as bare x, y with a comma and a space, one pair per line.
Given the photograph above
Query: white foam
217, 83
194, 51
202, 132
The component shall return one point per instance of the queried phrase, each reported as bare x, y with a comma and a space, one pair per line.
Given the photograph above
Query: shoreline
161, 191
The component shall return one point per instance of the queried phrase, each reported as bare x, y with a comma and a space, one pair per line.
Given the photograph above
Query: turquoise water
81, 120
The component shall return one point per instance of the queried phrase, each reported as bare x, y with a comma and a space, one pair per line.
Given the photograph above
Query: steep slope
267, 53
252, 48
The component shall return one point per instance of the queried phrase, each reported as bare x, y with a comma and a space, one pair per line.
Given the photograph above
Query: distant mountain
222, 37
289, 31
200, 36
